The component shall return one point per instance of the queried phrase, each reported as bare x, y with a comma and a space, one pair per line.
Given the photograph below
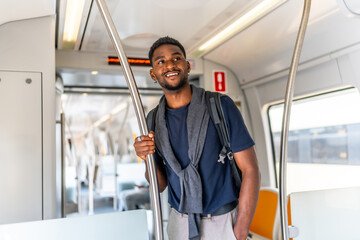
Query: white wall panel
259, 129
119, 225
330, 214
349, 69
309, 81
232, 84
20, 147
23, 9
29, 46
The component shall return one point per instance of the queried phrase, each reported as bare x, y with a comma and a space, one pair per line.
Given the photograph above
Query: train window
324, 140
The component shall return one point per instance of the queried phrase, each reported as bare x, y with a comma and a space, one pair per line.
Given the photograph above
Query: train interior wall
28, 46
336, 72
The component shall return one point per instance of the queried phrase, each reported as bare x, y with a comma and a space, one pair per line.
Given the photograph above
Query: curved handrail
286, 119
139, 111
344, 7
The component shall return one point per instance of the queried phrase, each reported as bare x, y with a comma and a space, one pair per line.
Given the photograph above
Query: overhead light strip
73, 16
240, 24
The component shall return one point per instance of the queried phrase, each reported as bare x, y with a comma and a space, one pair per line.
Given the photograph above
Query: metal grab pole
286, 119
154, 191
63, 165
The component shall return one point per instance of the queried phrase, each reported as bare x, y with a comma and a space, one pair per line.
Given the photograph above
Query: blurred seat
135, 199
266, 221
126, 185
133, 196
263, 224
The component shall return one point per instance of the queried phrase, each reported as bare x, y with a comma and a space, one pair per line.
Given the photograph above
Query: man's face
170, 67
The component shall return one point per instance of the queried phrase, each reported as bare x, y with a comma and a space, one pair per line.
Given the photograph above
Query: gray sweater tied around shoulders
190, 180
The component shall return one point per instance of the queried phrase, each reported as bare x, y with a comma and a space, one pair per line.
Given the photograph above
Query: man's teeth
171, 74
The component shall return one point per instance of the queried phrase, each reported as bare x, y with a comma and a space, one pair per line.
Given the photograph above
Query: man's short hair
162, 41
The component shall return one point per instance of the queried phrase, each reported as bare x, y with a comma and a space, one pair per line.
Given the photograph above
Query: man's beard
169, 87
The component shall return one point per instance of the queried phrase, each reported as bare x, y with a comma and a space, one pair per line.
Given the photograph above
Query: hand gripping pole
154, 190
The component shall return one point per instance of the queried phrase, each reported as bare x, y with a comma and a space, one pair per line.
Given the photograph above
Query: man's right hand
146, 146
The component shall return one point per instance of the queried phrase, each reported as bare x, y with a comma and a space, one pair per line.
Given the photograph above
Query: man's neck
179, 98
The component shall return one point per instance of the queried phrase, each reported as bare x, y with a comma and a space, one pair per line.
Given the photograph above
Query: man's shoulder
150, 118
154, 109
224, 99
213, 93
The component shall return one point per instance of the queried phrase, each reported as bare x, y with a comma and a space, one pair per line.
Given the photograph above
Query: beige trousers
212, 228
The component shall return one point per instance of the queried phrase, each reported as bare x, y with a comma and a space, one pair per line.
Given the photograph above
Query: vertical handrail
74, 156
139, 111
63, 165
116, 175
286, 119
116, 146
91, 162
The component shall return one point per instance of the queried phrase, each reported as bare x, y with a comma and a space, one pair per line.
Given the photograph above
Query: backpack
217, 115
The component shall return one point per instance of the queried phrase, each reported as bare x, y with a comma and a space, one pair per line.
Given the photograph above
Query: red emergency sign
219, 81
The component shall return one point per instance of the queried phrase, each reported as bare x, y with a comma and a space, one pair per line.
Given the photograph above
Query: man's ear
189, 66
152, 75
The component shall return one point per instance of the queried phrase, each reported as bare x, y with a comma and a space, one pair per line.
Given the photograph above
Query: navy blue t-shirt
217, 182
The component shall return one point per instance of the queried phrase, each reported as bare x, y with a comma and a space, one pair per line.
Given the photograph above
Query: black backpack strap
150, 120
217, 115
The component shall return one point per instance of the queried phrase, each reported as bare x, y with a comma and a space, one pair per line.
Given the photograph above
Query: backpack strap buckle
230, 155
222, 155
221, 158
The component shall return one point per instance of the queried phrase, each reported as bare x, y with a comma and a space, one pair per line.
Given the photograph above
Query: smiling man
175, 77
205, 202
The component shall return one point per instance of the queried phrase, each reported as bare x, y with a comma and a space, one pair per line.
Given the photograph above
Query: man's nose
170, 64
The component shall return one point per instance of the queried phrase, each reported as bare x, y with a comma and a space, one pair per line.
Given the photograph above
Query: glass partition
103, 173
120, 225
330, 214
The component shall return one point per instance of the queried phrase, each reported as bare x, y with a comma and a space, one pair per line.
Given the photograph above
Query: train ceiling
260, 48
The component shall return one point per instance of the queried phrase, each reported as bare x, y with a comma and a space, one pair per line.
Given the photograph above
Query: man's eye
176, 59
160, 62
